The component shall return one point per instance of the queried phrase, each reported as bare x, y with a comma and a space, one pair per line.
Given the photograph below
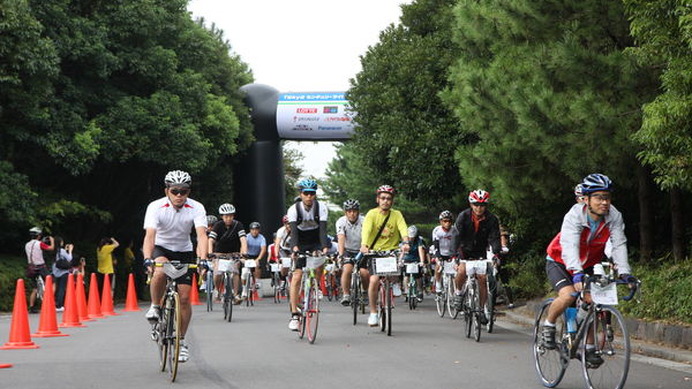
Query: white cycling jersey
352, 231
445, 239
173, 226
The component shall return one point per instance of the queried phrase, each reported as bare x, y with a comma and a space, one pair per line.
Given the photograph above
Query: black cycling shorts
182, 256
299, 262
349, 259
558, 275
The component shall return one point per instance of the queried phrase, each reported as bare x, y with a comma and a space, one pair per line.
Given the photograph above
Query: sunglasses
602, 198
309, 193
386, 198
479, 204
181, 192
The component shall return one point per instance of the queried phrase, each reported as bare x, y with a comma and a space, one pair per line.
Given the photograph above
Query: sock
548, 324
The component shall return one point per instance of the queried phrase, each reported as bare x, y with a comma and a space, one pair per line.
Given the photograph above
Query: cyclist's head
178, 178
226, 209
596, 182
412, 231
284, 219
385, 189
307, 185
351, 204
479, 201
597, 188
385, 197
255, 226
35, 232
211, 219
446, 215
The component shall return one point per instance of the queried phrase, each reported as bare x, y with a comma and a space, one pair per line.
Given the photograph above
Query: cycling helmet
479, 196
254, 225
307, 185
579, 190
211, 219
284, 219
386, 189
226, 209
35, 231
412, 231
446, 215
596, 182
351, 204
178, 177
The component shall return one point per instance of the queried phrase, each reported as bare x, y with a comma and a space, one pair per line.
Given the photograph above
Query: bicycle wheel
411, 294
277, 288
550, 364
390, 304
249, 288
301, 293
452, 309
441, 301
228, 297
208, 290
355, 296
40, 289
161, 341
490, 302
612, 344
467, 305
312, 312
476, 315
173, 335
383, 306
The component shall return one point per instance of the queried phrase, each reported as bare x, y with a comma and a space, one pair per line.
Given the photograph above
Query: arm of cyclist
148, 248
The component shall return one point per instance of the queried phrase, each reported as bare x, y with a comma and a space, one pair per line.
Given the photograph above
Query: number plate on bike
386, 265
314, 262
412, 268
605, 295
329, 267
275, 267
286, 262
250, 263
225, 265
449, 267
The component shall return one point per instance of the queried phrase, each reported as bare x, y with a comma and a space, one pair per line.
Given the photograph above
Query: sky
301, 46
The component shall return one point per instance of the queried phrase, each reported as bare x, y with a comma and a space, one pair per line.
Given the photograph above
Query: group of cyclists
474, 235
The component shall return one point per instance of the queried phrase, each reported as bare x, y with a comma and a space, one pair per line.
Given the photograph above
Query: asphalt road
257, 350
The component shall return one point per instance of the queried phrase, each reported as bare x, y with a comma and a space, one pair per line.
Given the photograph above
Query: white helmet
412, 231
226, 209
35, 231
177, 177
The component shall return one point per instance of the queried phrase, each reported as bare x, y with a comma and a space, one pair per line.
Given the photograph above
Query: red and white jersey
173, 226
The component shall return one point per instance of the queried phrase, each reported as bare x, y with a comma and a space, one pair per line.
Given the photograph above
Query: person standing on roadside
61, 269
105, 260
36, 264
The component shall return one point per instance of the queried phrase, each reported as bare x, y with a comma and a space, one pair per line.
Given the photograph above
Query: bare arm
148, 244
202, 244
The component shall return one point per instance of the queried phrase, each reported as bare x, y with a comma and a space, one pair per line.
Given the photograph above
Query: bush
527, 275
12, 268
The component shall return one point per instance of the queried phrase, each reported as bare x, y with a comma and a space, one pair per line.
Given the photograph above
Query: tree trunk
678, 224
646, 225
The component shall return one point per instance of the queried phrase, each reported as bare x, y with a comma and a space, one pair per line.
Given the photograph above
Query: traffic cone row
76, 310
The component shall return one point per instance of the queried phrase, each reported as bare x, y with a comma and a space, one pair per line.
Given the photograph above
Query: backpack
299, 211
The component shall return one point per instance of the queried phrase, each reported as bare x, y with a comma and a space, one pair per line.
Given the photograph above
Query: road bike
471, 305
286, 263
209, 287
492, 286
228, 267
411, 270
275, 269
444, 300
310, 307
331, 281
596, 323
385, 265
249, 283
166, 331
358, 296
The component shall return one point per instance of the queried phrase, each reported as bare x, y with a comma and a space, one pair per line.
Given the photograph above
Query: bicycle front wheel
441, 301
355, 296
208, 290
490, 303
390, 304
277, 288
452, 309
312, 312
476, 315
550, 363
383, 305
173, 335
468, 312
228, 297
612, 344
250, 289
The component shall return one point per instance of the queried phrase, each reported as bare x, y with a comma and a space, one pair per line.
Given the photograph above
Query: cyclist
227, 237
476, 230
168, 222
256, 249
308, 232
348, 230
36, 264
580, 245
416, 254
282, 246
211, 220
383, 229
442, 237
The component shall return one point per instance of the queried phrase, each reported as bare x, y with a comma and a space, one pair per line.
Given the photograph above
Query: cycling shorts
478, 266
349, 259
558, 275
182, 256
299, 262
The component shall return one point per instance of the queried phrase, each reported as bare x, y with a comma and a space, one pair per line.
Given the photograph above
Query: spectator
36, 264
106, 262
61, 269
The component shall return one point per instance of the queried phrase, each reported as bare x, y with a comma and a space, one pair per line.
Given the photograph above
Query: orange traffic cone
20, 336
94, 306
194, 291
131, 304
80, 295
107, 297
70, 317
48, 323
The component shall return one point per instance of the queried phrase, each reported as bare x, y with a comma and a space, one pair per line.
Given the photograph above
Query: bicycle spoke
611, 342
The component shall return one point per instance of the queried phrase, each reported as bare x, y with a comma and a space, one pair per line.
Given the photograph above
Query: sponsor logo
302, 127
337, 119
308, 119
329, 128
330, 110
306, 110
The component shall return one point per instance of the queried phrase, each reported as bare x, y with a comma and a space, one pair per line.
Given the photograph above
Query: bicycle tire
468, 313
490, 302
277, 288
209, 290
612, 344
40, 289
161, 341
390, 304
312, 313
382, 303
452, 310
441, 300
173, 336
301, 294
355, 296
248, 290
550, 364
476, 317
228, 297
411, 294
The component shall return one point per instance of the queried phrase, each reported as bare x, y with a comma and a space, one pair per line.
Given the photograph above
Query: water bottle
571, 319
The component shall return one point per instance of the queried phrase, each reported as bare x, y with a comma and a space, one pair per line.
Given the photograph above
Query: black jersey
227, 237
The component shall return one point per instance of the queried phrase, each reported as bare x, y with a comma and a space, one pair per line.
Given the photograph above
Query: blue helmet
307, 185
596, 182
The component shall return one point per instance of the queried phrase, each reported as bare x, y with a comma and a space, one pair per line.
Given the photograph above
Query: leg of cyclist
347, 269
156, 289
438, 277
296, 279
459, 282
372, 297
483, 289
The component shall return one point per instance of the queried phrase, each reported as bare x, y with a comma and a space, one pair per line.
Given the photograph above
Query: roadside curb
641, 340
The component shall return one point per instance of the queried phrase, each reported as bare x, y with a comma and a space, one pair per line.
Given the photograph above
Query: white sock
548, 324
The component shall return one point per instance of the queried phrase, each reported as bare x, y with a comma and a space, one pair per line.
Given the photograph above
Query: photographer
36, 264
106, 262
61, 269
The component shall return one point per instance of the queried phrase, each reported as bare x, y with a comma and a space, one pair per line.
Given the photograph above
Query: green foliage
11, 269
659, 300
